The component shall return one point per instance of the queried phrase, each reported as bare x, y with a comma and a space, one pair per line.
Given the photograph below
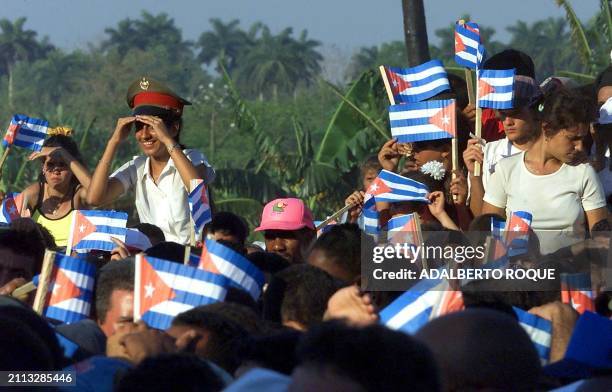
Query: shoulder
196, 157
511, 162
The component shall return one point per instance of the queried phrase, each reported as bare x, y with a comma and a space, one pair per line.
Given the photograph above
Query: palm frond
578, 33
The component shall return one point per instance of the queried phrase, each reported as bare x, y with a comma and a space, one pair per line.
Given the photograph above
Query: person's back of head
338, 252
298, 295
240, 314
511, 58
274, 351
167, 250
333, 356
482, 349
116, 277
221, 339
229, 227
171, 372
154, 233
22, 248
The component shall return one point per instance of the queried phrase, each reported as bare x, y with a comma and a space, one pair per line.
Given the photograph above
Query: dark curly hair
565, 109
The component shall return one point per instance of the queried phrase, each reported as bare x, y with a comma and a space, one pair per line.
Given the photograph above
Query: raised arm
102, 189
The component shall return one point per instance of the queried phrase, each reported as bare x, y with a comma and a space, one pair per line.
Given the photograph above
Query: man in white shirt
521, 128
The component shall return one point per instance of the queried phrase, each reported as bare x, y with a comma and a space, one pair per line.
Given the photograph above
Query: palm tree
17, 44
224, 41
278, 63
415, 32
123, 38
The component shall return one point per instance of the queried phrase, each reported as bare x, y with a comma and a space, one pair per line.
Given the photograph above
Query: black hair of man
299, 294
153, 233
511, 58
342, 246
240, 314
225, 337
275, 352
167, 250
171, 372
229, 223
376, 358
116, 275
505, 359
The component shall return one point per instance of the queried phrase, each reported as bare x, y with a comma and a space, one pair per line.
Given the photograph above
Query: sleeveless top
59, 227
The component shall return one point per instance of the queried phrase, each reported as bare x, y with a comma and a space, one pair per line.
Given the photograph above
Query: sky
346, 24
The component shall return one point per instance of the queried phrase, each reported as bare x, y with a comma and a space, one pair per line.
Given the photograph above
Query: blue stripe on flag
105, 214
237, 260
112, 230
156, 320
75, 264
95, 244
190, 272
63, 315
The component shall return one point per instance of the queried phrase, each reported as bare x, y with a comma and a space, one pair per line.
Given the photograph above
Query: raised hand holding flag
415, 84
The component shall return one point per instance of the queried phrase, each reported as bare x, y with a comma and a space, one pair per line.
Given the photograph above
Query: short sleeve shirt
557, 201
164, 204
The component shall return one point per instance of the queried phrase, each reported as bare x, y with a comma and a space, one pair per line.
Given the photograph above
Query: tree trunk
415, 32
9, 70
275, 92
212, 136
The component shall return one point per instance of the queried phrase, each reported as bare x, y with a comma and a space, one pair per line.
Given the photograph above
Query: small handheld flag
163, 289
576, 290
404, 229
469, 51
11, 207
495, 88
370, 223
199, 205
71, 285
93, 229
220, 259
424, 301
26, 132
418, 83
391, 187
429, 120
517, 232
539, 331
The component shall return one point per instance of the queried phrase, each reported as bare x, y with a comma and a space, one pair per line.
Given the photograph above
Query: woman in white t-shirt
161, 178
564, 199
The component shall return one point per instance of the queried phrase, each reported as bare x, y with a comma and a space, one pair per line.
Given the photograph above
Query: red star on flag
378, 187
445, 119
81, 228
206, 261
62, 288
484, 89
153, 289
397, 83
11, 132
459, 45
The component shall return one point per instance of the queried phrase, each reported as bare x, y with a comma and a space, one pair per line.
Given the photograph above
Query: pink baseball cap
285, 214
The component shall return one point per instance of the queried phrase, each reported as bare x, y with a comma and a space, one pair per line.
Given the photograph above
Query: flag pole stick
335, 215
383, 74
455, 158
23, 290
469, 80
478, 126
419, 234
43, 284
186, 254
4, 156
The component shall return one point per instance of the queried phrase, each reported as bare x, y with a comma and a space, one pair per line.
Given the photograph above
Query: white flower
232, 125
206, 97
435, 169
210, 85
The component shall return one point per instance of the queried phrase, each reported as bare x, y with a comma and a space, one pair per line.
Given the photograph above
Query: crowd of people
316, 326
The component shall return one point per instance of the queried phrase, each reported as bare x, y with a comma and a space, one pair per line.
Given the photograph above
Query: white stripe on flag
183, 283
499, 81
104, 237
423, 74
410, 114
106, 221
414, 129
467, 56
468, 42
236, 274
170, 308
537, 335
405, 187
82, 280
74, 305
29, 139
426, 87
503, 97
419, 305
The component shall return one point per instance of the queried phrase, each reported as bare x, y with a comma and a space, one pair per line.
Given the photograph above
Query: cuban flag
163, 289
429, 120
539, 331
199, 205
243, 274
418, 83
576, 290
517, 232
71, 285
26, 132
403, 229
369, 221
391, 187
495, 88
424, 301
93, 229
325, 228
11, 207
469, 51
